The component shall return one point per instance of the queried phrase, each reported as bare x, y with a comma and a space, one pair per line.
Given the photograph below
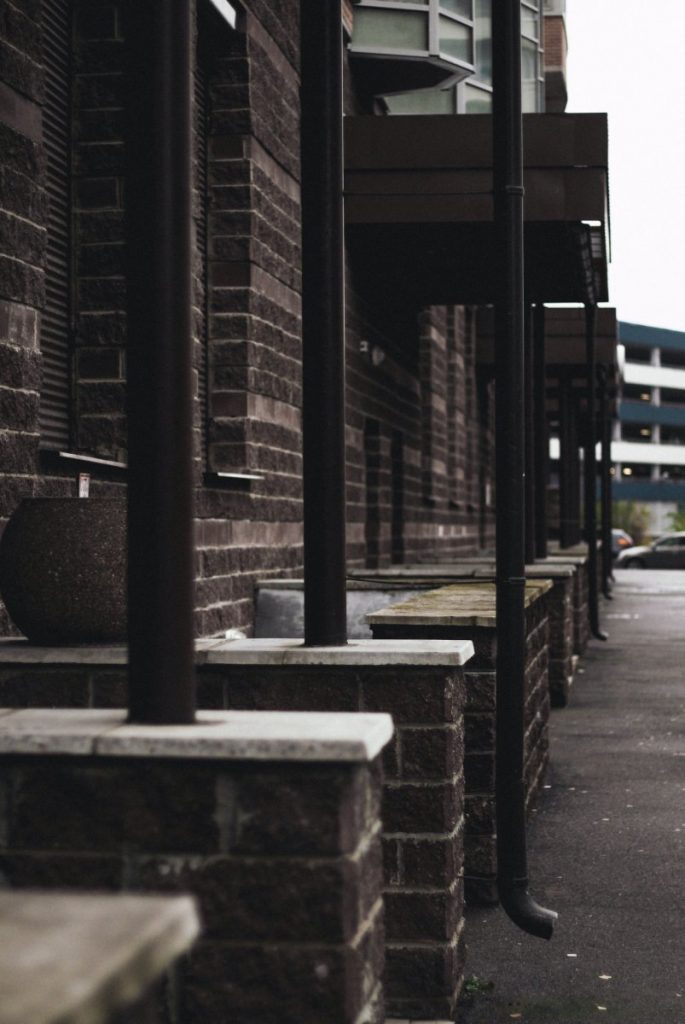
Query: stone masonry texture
561, 647
581, 615
480, 857
423, 793
285, 861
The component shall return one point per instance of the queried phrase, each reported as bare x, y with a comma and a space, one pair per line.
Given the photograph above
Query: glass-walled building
456, 34
649, 441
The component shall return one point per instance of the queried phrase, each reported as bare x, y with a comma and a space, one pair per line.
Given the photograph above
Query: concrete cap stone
13, 651
218, 735
80, 959
356, 653
458, 604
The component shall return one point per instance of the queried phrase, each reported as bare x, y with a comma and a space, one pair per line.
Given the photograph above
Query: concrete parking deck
607, 848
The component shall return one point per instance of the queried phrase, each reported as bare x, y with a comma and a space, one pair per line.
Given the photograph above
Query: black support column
605, 420
531, 481
323, 329
541, 432
510, 437
567, 455
591, 469
160, 488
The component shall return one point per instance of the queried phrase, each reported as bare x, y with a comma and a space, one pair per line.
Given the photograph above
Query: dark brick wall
422, 810
561, 650
22, 247
99, 295
420, 494
290, 902
423, 796
581, 615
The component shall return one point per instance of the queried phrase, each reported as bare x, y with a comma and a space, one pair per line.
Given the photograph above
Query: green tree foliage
633, 518
676, 520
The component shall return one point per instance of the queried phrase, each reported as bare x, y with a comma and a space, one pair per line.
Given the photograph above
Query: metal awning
419, 206
564, 340
565, 352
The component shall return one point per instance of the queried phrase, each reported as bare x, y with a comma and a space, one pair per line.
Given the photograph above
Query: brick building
420, 464
419, 423
648, 437
420, 458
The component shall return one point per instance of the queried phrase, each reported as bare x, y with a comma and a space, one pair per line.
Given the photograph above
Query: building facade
649, 437
419, 417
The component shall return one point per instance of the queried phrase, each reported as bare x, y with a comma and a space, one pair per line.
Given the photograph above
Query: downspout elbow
524, 911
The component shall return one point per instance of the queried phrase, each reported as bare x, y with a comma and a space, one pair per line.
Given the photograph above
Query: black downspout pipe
512, 866
605, 472
531, 480
566, 457
591, 470
323, 328
541, 432
159, 363
575, 492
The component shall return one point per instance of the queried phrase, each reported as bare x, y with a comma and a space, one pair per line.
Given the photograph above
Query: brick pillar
468, 611
271, 821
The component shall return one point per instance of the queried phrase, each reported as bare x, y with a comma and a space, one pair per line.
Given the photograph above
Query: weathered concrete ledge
389, 653
236, 735
458, 604
468, 568
76, 958
282, 651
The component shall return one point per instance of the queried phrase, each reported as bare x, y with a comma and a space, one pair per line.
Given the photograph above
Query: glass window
529, 60
477, 101
483, 41
406, 30
455, 40
423, 101
529, 23
462, 8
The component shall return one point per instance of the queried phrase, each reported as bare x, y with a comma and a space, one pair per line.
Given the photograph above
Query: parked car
619, 541
668, 552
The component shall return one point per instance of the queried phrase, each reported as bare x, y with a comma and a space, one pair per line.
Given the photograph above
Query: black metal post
323, 327
541, 432
605, 474
160, 488
510, 515
576, 477
531, 481
566, 457
591, 470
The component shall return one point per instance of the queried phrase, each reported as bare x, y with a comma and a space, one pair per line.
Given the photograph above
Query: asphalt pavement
607, 842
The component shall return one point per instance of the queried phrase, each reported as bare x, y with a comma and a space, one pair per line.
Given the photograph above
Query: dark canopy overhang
565, 352
419, 206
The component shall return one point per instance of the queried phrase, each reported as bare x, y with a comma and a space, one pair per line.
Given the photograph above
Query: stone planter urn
63, 570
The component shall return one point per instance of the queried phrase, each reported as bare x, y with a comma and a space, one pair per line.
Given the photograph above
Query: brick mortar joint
428, 836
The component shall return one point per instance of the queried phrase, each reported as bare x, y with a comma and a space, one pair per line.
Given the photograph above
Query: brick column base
283, 854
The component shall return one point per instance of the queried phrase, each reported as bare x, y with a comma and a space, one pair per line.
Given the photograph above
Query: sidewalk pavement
607, 844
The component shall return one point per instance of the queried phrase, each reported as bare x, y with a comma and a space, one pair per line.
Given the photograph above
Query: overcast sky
627, 57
